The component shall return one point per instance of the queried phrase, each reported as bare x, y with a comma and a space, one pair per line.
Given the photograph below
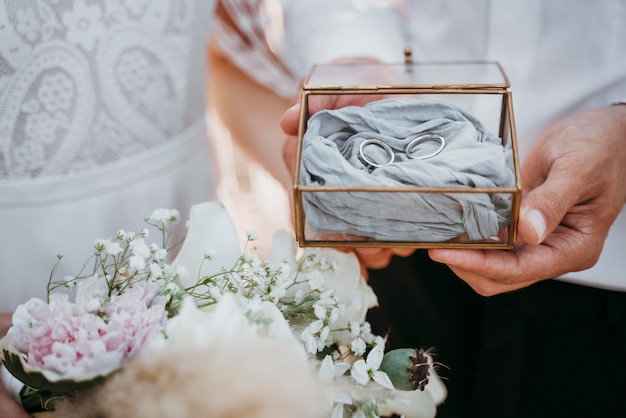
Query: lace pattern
85, 83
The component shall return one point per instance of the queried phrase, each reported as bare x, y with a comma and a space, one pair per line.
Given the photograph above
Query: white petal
411, 404
375, 356
337, 411
210, 226
283, 249
382, 379
341, 368
327, 370
359, 372
436, 387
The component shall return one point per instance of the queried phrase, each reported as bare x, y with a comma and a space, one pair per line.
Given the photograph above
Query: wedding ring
420, 140
376, 142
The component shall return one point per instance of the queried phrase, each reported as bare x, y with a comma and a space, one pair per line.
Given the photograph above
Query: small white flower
139, 248
327, 298
94, 305
156, 271
299, 296
136, 262
252, 235
319, 311
358, 346
69, 281
172, 287
323, 336
209, 253
113, 248
215, 292
315, 280
182, 272
255, 262
280, 270
335, 313
355, 328
364, 370
160, 254
164, 215
99, 245
329, 369
308, 336
356, 303
277, 293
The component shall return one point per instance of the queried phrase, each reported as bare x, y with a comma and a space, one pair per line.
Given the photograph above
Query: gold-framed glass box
348, 193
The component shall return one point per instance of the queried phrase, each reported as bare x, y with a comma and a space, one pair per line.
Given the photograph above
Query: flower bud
408, 368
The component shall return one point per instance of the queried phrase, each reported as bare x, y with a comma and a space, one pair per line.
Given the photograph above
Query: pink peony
71, 340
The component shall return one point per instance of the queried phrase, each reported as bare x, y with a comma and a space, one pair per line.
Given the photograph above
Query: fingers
5, 322
290, 149
491, 272
379, 258
290, 120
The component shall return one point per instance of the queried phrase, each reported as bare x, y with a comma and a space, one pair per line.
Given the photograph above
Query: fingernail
538, 221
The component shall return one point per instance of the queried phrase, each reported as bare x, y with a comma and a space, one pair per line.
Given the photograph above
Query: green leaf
39, 390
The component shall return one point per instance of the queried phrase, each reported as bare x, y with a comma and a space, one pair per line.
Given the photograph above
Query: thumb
290, 150
543, 208
290, 120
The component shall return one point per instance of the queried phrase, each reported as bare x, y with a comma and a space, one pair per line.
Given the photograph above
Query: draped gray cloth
472, 157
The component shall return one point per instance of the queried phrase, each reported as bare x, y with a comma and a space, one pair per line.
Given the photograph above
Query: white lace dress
102, 120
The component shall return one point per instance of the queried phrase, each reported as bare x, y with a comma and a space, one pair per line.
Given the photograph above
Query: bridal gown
102, 120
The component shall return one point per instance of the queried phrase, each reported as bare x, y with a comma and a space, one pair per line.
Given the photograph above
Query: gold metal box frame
334, 79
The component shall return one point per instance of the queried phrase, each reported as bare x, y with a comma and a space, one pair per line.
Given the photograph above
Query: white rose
210, 226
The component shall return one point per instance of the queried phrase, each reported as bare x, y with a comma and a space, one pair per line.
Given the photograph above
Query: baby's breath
298, 288
126, 259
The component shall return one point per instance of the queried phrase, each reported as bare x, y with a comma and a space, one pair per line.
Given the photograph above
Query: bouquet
218, 332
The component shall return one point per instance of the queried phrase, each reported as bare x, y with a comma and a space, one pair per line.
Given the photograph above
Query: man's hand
574, 184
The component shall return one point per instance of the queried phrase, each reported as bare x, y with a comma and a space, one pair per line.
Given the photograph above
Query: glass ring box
414, 154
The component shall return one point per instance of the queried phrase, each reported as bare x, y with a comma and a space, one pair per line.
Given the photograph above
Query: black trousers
550, 350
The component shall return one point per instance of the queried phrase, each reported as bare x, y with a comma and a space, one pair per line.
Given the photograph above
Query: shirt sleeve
319, 31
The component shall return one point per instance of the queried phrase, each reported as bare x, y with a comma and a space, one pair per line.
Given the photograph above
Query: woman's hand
370, 258
5, 322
